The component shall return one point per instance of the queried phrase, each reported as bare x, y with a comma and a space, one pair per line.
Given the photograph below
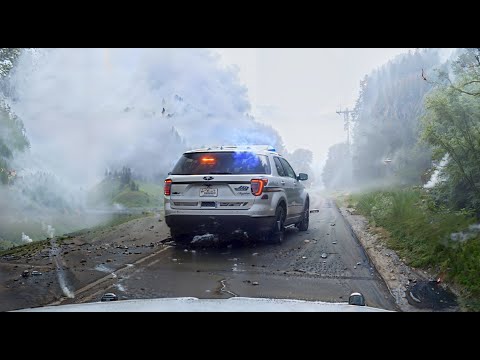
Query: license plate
206, 192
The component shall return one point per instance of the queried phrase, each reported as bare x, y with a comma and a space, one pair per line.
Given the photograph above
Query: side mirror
302, 177
356, 299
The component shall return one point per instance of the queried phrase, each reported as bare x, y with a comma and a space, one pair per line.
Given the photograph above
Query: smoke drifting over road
87, 109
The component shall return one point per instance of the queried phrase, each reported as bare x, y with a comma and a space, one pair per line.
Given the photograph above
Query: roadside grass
11, 231
154, 190
133, 199
420, 231
116, 220
342, 199
26, 249
110, 192
38, 245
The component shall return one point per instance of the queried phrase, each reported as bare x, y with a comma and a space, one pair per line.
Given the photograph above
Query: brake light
208, 160
257, 186
167, 188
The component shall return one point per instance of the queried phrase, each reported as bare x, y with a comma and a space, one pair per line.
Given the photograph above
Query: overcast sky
298, 90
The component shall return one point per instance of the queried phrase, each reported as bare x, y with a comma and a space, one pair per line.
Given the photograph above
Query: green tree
8, 59
451, 124
12, 131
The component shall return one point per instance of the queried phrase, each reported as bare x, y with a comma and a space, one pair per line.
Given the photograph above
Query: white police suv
227, 189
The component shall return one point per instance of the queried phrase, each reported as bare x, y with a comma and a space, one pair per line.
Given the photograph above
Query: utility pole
346, 118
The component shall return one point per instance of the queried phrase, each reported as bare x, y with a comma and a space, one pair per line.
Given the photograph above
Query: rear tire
277, 234
303, 225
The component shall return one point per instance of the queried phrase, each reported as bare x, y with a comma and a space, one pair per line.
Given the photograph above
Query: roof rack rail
239, 147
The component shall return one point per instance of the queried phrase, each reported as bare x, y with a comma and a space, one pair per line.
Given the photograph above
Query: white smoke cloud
26, 238
462, 236
86, 109
437, 173
49, 230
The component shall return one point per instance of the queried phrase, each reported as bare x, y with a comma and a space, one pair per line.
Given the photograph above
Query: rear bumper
219, 223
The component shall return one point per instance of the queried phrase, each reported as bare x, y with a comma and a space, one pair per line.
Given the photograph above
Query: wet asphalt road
294, 269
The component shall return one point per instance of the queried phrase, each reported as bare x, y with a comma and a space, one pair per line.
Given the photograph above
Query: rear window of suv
222, 163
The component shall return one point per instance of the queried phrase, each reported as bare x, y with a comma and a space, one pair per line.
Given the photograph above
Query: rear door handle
282, 182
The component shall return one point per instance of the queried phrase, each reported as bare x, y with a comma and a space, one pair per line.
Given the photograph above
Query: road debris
255, 254
414, 297
36, 273
314, 211
205, 237
304, 257
109, 297
224, 288
255, 283
26, 273
324, 255
306, 241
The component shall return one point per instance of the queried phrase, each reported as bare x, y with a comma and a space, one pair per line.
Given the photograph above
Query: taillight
257, 185
167, 188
